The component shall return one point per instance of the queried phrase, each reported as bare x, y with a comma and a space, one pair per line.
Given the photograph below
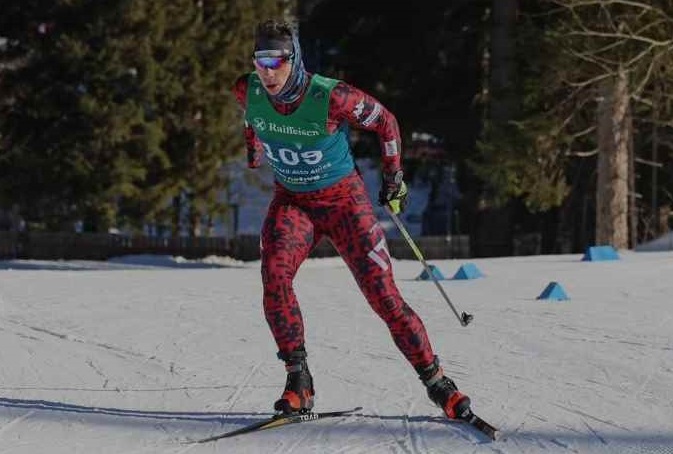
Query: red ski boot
298, 394
444, 392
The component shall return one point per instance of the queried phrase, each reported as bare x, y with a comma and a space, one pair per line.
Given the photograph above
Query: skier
300, 122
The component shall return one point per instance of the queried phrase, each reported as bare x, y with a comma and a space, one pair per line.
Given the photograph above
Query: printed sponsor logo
292, 130
259, 124
376, 111
359, 108
390, 148
309, 417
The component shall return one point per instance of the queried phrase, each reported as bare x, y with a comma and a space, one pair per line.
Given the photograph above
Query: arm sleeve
252, 145
363, 111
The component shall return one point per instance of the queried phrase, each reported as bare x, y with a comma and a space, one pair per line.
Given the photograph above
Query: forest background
555, 114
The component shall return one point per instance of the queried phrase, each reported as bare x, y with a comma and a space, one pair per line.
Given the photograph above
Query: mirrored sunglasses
270, 62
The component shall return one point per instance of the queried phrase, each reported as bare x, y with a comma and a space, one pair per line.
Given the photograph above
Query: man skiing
300, 122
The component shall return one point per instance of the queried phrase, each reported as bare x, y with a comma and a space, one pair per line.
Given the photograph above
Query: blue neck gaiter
296, 82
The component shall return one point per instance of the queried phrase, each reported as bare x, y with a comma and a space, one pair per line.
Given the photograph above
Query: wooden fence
92, 246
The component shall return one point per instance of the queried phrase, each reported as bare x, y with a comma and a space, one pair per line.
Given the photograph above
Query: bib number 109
291, 157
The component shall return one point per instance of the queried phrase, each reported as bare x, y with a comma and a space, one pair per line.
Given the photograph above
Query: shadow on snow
517, 438
51, 407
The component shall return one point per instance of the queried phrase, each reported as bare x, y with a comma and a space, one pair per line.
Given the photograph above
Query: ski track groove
180, 351
408, 435
409, 442
15, 422
21, 335
353, 422
413, 431
594, 418
233, 399
594, 433
652, 362
106, 380
32, 366
325, 428
515, 439
395, 441
296, 442
117, 351
563, 445
347, 447
420, 442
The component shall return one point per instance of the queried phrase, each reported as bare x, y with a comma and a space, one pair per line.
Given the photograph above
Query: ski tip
485, 428
493, 434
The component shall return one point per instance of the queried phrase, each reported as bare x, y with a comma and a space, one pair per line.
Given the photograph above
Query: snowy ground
137, 356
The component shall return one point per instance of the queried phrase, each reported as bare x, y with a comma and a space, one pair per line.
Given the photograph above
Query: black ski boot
298, 394
444, 392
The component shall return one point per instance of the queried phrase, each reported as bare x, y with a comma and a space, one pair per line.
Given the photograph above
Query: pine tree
119, 113
199, 48
76, 134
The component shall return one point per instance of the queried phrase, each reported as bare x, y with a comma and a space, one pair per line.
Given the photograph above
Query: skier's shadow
191, 422
47, 409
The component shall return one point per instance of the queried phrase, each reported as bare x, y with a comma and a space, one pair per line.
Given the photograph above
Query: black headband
284, 45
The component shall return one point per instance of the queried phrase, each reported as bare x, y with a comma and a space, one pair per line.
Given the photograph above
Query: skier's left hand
393, 192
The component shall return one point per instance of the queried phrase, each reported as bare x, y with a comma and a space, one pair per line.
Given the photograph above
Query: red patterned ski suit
343, 213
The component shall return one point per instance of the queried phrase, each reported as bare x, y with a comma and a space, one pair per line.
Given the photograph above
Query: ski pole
464, 318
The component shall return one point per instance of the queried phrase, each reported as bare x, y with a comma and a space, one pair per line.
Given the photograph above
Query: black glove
393, 191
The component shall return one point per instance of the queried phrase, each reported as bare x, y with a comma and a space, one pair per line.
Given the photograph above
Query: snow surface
663, 243
139, 354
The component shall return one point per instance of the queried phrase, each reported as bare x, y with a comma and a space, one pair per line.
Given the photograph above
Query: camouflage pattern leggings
294, 224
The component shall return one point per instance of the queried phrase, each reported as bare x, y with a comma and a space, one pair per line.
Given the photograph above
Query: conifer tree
119, 113
199, 48
76, 134
587, 69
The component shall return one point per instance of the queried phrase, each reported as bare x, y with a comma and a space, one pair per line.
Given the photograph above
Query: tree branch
649, 163
644, 39
648, 75
582, 154
589, 59
587, 131
591, 81
579, 3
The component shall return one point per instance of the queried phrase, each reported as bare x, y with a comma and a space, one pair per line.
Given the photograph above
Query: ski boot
298, 394
444, 392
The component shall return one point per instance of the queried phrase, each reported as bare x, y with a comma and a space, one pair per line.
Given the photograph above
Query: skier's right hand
254, 154
393, 191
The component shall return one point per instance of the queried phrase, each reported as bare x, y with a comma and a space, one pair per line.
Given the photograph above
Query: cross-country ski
278, 421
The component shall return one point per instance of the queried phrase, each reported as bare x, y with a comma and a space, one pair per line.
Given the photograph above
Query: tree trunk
493, 233
633, 207
614, 130
177, 215
503, 100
